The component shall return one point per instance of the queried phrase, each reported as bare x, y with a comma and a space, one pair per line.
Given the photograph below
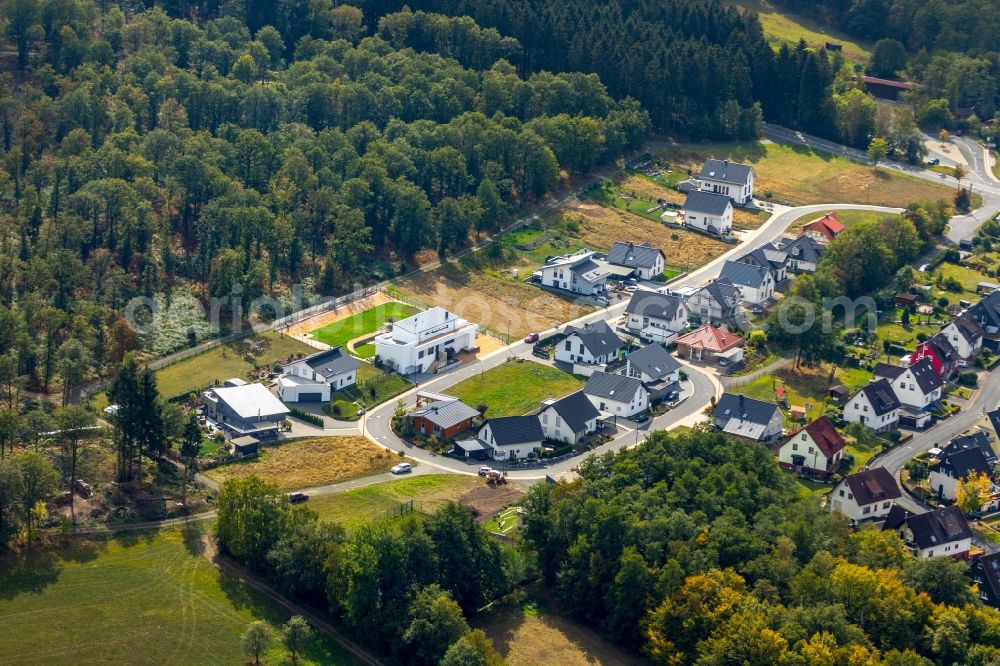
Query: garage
310, 397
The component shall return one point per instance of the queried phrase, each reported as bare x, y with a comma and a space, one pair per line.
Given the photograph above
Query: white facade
556, 428
572, 350
625, 407
301, 383
423, 342
576, 273
909, 392
646, 273
965, 348
859, 410
507, 451
721, 225
630, 371
657, 329
741, 194
802, 451
842, 500
946, 485
759, 295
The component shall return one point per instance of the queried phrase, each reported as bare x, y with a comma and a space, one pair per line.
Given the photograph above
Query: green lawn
356, 507
850, 218
343, 330
862, 454
515, 388
782, 27
387, 386
219, 364
803, 386
506, 524
138, 598
810, 488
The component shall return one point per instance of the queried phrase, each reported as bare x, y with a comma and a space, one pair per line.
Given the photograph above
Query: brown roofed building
824, 229
816, 449
865, 495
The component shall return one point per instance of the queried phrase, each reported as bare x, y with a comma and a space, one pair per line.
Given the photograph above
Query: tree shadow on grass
32, 571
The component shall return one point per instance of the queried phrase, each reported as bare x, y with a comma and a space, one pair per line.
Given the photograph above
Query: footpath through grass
344, 330
514, 388
137, 598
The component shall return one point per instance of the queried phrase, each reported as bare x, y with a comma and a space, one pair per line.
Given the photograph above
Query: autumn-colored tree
972, 492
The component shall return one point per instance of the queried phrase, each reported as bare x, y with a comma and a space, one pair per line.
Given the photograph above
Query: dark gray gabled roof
575, 410
743, 275
653, 360
927, 378
634, 256
724, 292
597, 337
515, 430
804, 248
960, 463
990, 567
735, 406
654, 304
446, 413
331, 362
881, 397
968, 327
987, 310
872, 485
706, 202
887, 371
995, 420
977, 440
938, 527
726, 171
613, 387
766, 256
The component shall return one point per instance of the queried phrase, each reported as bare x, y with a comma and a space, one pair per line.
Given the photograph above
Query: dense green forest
697, 549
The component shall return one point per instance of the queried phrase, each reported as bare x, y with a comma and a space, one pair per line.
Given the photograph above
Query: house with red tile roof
816, 449
710, 343
824, 229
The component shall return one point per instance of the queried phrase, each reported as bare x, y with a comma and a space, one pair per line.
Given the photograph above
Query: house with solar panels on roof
866, 495
730, 179
316, 377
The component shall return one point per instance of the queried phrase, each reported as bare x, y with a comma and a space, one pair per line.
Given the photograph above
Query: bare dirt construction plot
301, 328
486, 501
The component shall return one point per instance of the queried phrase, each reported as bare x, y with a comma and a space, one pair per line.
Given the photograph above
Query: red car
531, 338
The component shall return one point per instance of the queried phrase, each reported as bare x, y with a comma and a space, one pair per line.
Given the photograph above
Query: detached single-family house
426, 341
592, 344
986, 312
317, 376
955, 465
875, 406
714, 303
770, 257
755, 282
729, 179
984, 571
938, 533
965, 334
941, 353
655, 317
645, 260
824, 229
245, 409
443, 418
578, 273
712, 345
865, 495
616, 395
804, 254
747, 418
510, 437
653, 365
816, 449
918, 386
711, 213
569, 419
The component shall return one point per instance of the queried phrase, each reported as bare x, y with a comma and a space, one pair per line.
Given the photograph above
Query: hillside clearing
783, 27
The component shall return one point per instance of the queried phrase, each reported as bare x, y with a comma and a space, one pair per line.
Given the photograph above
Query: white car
631, 289
963, 363
402, 468
485, 470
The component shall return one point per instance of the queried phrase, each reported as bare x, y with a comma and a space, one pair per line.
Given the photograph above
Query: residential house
729, 179
655, 317
426, 341
770, 257
965, 334
816, 449
942, 532
986, 312
578, 273
714, 303
592, 344
654, 366
317, 376
955, 465
875, 406
245, 409
824, 229
918, 386
984, 571
569, 419
748, 418
941, 353
511, 437
443, 418
804, 254
617, 395
712, 345
711, 213
865, 495
755, 282
645, 260
994, 416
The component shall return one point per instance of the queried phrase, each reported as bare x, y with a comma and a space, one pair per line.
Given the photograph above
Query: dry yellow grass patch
311, 462
650, 190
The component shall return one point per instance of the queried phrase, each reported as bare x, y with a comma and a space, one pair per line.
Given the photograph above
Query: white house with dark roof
986, 312
578, 273
918, 386
939, 533
756, 283
645, 260
817, 449
711, 213
592, 344
616, 394
965, 335
426, 341
317, 376
243, 409
716, 302
509, 437
875, 406
962, 457
729, 179
804, 254
747, 418
865, 495
655, 317
770, 257
569, 419
655, 367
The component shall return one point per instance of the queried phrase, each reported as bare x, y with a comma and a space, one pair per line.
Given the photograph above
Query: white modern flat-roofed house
711, 213
426, 341
315, 377
578, 273
727, 178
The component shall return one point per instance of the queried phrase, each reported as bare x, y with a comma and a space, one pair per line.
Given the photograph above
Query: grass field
781, 27
803, 385
850, 218
387, 386
142, 598
356, 507
222, 363
306, 463
342, 331
798, 175
511, 389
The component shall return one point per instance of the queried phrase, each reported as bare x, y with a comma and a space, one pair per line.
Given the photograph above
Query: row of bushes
306, 416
